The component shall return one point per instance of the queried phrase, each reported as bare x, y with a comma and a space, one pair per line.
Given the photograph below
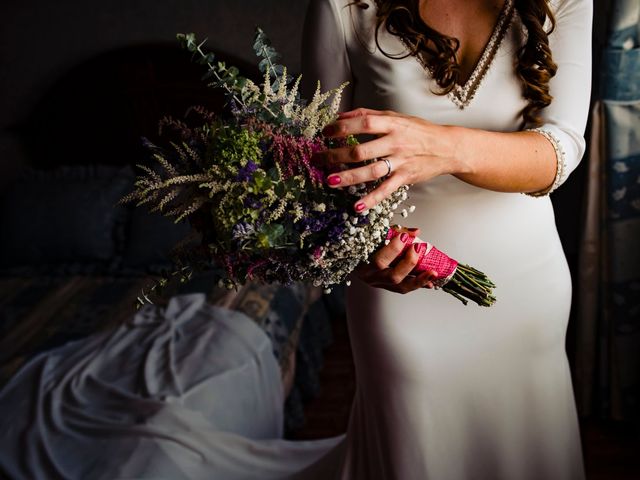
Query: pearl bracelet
561, 165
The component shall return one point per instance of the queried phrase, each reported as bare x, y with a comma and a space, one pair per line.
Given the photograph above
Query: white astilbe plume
317, 114
282, 88
291, 97
266, 85
250, 92
310, 118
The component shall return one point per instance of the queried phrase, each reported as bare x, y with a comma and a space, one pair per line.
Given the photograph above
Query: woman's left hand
417, 150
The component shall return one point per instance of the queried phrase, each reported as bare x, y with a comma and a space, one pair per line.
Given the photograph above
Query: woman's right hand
390, 270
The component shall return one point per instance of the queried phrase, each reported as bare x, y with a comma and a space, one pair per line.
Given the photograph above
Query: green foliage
235, 147
221, 76
277, 101
269, 58
352, 141
270, 235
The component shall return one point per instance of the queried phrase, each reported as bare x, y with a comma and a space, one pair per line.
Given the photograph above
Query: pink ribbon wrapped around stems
462, 281
429, 258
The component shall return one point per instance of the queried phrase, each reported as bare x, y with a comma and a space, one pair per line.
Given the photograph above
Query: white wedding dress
444, 391
447, 392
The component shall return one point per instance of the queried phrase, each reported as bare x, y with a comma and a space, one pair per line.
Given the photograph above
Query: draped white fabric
181, 393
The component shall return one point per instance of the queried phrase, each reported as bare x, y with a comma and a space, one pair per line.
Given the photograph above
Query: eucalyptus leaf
264, 65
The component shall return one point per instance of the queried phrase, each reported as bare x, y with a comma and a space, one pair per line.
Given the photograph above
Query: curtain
607, 363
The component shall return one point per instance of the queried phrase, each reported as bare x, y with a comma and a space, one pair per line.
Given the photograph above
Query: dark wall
40, 40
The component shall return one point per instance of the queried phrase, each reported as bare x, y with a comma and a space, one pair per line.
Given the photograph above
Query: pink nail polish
403, 237
416, 247
334, 180
360, 206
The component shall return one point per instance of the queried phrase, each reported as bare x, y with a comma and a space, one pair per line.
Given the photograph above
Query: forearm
505, 162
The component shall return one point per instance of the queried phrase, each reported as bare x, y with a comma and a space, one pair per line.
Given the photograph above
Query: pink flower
293, 155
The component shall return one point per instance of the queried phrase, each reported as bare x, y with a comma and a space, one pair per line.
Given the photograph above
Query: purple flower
336, 232
252, 202
246, 173
315, 224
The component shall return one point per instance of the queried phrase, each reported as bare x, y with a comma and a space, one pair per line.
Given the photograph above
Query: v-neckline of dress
461, 95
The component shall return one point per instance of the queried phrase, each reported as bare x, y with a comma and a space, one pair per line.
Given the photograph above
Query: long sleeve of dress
324, 52
564, 120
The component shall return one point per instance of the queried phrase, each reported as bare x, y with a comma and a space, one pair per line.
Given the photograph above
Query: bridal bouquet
258, 205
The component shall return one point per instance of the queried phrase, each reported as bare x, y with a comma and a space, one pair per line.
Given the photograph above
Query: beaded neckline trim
462, 95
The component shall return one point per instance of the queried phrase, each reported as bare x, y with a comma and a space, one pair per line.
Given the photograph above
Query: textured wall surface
41, 40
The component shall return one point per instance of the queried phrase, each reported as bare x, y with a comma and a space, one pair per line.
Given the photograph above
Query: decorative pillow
64, 216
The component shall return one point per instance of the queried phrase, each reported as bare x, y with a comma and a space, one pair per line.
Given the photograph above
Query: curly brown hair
535, 66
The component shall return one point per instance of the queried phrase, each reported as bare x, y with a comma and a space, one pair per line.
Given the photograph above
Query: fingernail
360, 206
334, 180
403, 237
416, 247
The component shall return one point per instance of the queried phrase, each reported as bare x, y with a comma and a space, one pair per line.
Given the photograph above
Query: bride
480, 106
